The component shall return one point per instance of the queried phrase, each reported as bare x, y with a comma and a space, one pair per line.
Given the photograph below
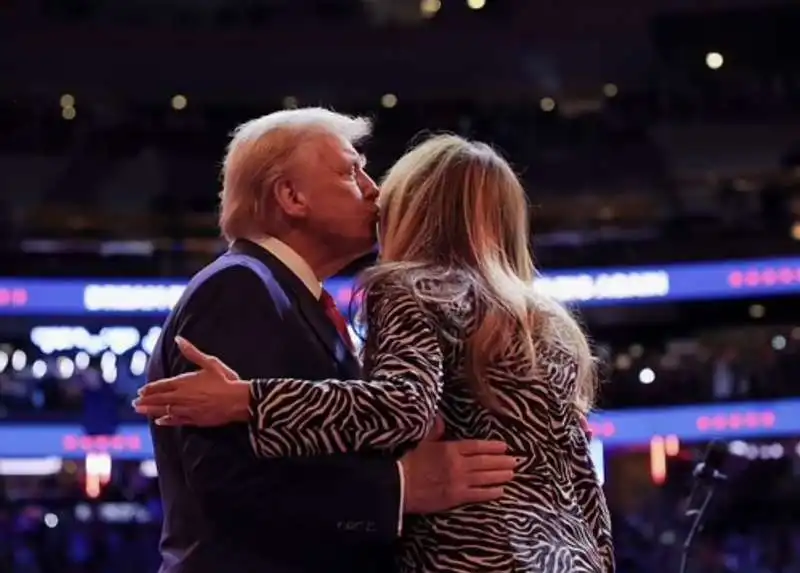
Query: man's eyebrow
362, 160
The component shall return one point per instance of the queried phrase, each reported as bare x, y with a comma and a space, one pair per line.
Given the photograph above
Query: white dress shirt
300, 267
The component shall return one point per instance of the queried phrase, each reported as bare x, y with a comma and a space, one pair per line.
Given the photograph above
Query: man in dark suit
297, 206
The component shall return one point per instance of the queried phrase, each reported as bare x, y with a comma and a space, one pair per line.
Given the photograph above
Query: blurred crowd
614, 151
50, 525
651, 541
755, 363
58, 530
141, 190
764, 365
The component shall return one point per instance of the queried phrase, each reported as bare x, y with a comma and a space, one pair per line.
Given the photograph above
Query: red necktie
336, 318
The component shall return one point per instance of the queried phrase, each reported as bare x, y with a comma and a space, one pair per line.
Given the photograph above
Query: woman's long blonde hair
453, 208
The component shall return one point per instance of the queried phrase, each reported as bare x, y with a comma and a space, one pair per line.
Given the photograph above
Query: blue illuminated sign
131, 442
614, 429
687, 282
587, 287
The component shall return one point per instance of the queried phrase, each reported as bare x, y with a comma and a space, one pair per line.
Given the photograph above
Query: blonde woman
456, 332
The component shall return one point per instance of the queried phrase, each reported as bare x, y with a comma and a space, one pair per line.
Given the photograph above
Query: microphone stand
698, 515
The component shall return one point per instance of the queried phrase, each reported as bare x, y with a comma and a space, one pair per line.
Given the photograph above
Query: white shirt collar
297, 264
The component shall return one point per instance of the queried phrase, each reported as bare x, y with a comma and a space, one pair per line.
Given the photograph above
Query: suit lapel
310, 308
326, 332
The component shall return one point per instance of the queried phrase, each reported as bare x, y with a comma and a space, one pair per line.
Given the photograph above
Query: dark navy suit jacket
224, 509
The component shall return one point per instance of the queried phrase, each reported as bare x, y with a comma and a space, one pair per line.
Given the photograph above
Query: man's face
341, 198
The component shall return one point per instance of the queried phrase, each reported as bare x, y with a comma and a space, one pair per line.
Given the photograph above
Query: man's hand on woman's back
441, 475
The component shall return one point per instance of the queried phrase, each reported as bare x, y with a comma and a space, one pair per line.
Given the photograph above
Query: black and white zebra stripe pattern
553, 518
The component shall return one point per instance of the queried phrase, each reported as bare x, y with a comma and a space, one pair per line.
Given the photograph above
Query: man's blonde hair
260, 152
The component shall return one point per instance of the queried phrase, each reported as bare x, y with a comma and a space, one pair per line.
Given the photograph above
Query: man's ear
291, 201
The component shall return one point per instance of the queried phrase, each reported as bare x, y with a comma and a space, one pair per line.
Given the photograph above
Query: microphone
709, 468
707, 475
707, 472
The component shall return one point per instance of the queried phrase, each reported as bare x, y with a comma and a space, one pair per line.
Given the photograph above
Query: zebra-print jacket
553, 518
